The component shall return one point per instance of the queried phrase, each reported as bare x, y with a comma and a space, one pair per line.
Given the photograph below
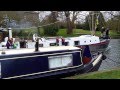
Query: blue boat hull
65, 73
36, 64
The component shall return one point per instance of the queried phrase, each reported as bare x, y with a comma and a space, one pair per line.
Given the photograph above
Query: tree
11, 15
86, 23
96, 21
114, 22
29, 16
71, 16
51, 29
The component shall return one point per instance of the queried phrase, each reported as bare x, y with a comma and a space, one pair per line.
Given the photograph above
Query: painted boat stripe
39, 55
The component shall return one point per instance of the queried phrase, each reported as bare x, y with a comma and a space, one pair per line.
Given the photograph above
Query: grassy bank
77, 32
62, 32
110, 74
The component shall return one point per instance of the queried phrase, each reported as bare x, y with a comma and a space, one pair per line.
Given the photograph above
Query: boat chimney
10, 32
37, 45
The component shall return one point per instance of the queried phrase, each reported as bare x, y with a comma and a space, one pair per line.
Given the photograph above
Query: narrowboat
48, 58
95, 43
46, 62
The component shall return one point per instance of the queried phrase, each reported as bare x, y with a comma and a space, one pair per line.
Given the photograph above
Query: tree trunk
69, 26
71, 20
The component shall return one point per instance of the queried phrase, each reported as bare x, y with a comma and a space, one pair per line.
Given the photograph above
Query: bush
22, 33
79, 26
51, 30
62, 27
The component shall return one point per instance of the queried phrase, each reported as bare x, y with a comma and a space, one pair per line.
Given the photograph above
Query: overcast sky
80, 18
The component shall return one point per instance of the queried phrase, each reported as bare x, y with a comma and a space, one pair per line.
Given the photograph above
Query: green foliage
18, 16
86, 26
41, 32
99, 21
62, 32
21, 33
51, 30
79, 26
15, 33
114, 23
62, 26
27, 33
78, 32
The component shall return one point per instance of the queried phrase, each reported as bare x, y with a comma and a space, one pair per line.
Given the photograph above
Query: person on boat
63, 41
102, 31
23, 43
15, 44
57, 41
107, 33
9, 43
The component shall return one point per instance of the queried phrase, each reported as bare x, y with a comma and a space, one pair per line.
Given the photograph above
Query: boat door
87, 57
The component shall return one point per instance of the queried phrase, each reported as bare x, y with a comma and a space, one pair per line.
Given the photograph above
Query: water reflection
113, 55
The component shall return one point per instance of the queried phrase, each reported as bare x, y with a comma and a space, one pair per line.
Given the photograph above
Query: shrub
51, 30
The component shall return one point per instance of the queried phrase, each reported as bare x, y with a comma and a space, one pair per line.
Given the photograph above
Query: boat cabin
70, 41
28, 63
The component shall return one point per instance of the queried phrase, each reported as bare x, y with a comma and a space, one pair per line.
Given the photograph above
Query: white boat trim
97, 60
40, 55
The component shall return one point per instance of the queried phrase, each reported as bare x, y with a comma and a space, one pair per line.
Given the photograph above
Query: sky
80, 18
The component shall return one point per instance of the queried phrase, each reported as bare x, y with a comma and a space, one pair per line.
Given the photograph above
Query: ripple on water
113, 55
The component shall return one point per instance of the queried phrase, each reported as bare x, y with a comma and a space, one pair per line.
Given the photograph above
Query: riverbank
109, 74
77, 32
63, 32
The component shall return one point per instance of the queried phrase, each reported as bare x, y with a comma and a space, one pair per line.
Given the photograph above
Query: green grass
113, 34
76, 32
110, 74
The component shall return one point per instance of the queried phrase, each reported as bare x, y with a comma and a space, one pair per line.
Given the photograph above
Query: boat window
40, 45
84, 41
90, 40
66, 43
76, 43
60, 61
52, 44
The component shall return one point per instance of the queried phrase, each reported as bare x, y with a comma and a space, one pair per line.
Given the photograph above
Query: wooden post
37, 45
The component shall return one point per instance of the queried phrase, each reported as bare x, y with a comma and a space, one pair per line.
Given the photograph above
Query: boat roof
46, 49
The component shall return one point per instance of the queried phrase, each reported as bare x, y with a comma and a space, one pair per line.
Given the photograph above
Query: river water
113, 55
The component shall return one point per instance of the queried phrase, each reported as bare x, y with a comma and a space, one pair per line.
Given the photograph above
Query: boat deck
27, 50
